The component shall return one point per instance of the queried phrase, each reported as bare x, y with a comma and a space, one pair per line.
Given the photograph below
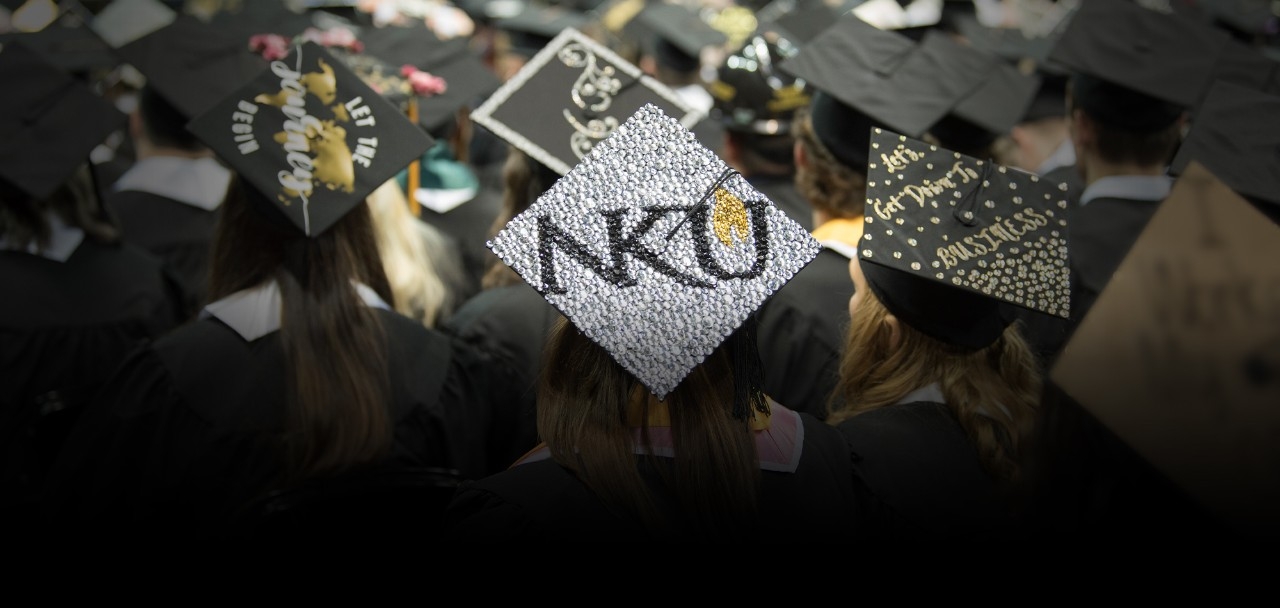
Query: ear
800, 155
1082, 129
895, 331
136, 132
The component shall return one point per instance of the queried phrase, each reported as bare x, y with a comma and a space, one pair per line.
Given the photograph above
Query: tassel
748, 377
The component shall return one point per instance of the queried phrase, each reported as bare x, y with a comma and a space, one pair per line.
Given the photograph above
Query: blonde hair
404, 244
993, 392
828, 185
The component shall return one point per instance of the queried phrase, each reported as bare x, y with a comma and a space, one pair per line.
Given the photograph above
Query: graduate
81, 299
940, 388
297, 371
167, 202
654, 424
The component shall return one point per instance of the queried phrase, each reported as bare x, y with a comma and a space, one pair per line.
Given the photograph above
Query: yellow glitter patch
729, 214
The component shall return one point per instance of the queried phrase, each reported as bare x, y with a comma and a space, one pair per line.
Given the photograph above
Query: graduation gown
177, 233
918, 477
189, 430
806, 495
63, 329
511, 324
802, 328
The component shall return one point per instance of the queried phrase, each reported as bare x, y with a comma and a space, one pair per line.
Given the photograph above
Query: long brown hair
993, 392
827, 184
523, 181
336, 417
714, 478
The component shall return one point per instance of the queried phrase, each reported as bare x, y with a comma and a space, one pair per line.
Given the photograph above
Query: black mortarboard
1180, 355
951, 240
49, 120
871, 77
570, 96
680, 35
655, 249
1050, 99
312, 137
67, 43
1236, 135
1248, 17
466, 76
992, 109
192, 64
803, 23
123, 21
536, 25
1244, 65
1128, 59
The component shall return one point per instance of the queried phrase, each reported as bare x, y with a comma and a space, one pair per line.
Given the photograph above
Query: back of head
524, 180
828, 183
25, 221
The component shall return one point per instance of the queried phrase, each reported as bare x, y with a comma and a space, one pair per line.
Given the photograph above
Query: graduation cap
311, 137
752, 95
991, 110
870, 77
801, 23
1135, 68
192, 64
895, 15
68, 43
50, 121
679, 35
570, 96
950, 241
469, 80
1180, 355
124, 21
1237, 137
535, 26
1245, 65
654, 248
1050, 99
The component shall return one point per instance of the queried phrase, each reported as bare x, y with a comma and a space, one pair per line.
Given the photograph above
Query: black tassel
748, 377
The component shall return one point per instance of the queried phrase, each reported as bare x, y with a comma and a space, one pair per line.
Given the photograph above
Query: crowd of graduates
641, 270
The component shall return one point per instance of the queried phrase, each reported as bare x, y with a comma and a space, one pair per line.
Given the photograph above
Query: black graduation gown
919, 478
782, 191
510, 323
63, 328
542, 501
178, 233
801, 332
188, 431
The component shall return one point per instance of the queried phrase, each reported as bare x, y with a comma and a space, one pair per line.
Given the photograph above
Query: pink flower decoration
270, 46
339, 37
423, 83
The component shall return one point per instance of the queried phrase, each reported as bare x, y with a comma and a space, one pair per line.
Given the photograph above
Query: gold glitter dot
866, 253
897, 255
915, 265
928, 166
911, 242
878, 130
935, 220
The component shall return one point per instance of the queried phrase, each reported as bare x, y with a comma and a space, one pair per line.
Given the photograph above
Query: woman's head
993, 390
24, 221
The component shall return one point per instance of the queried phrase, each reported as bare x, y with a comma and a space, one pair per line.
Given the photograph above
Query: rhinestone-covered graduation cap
570, 96
654, 248
1180, 355
311, 137
50, 121
978, 228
